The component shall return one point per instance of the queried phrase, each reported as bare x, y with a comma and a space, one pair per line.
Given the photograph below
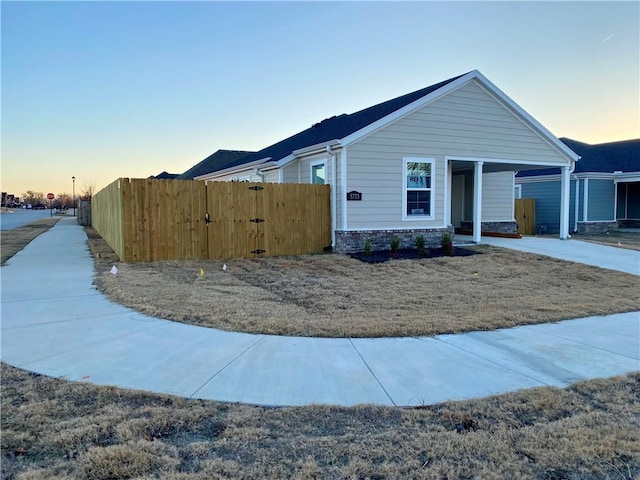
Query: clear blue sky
123, 89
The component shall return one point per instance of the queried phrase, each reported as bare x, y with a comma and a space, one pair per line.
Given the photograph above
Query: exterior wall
291, 173
601, 200
352, 241
497, 197
547, 196
468, 122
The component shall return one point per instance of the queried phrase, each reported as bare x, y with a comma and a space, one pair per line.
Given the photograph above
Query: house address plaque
353, 195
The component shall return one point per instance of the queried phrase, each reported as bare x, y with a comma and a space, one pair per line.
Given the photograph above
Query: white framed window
417, 188
318, 173
517, 191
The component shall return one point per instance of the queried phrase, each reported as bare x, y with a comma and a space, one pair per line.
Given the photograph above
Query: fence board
525, 214
149, 219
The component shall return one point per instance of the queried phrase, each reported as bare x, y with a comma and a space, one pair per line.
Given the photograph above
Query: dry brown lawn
57, 429
337, 296
54, 429
12, 241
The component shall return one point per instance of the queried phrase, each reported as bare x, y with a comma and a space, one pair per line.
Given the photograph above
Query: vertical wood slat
525, 215
146, 220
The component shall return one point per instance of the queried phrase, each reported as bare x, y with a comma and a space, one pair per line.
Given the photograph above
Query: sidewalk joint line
371, 371
228, 363
489, 361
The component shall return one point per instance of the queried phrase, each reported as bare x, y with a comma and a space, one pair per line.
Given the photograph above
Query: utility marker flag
201, 273
114, 270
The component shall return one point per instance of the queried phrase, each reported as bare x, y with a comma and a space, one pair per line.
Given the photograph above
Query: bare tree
32, 197
88, 189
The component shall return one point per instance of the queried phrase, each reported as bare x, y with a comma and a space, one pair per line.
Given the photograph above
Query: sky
102, 90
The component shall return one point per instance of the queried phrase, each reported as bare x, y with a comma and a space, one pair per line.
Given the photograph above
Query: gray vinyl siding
468, 122
497, 197
548, 197
272, 176
601, 200
290, 172
621, 205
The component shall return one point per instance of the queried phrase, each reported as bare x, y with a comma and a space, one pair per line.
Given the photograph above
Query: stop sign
50, 196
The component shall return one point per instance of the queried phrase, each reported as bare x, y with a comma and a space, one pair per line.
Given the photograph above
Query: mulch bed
411, 254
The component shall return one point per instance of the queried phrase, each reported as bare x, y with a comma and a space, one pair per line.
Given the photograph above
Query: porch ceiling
460, 166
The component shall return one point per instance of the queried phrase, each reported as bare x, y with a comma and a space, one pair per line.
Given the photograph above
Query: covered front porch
480, 194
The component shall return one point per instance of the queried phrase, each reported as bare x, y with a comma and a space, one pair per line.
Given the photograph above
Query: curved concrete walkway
56, 323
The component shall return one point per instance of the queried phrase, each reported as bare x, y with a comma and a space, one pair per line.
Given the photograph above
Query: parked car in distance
39, 206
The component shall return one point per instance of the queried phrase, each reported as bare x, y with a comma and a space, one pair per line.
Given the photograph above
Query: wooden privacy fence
147, 220
525, 213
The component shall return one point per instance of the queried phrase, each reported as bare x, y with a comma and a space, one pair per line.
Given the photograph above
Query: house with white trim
604, 192
419, 164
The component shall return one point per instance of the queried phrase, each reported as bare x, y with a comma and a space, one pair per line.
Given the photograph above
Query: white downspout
334, 196
259, 173
576, 210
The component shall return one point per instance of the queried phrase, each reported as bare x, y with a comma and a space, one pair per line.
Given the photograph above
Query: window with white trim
418, 188
318, 173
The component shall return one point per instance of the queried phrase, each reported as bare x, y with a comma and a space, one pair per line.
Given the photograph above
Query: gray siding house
604, 191
420, 164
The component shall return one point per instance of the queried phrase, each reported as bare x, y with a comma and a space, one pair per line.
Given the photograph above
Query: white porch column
564, 203
477, 201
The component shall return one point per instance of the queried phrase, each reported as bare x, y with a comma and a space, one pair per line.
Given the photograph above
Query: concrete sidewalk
56, 323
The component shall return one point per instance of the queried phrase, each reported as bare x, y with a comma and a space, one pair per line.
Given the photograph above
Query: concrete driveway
603, 256
56, 323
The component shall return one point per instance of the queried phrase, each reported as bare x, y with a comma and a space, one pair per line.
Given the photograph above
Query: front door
457, 200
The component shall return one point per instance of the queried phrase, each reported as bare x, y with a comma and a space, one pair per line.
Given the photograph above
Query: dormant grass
337, 296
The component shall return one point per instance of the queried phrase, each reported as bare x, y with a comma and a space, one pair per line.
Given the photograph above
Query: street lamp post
73, 179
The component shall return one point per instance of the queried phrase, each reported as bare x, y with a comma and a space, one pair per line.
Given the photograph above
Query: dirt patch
338, 296
14, 240
57, 429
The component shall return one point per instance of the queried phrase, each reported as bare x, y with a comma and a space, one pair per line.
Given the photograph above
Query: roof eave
226, 171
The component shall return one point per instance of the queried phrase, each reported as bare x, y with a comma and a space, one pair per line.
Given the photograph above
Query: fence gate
525, 213
266, 219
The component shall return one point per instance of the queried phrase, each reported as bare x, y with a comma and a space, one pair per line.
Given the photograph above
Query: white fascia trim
627, 177
238, 168
508, 161
528, 118
317, 148
407, 109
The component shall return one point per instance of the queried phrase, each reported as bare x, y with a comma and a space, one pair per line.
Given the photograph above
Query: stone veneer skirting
351, 242
493, 227
585, 228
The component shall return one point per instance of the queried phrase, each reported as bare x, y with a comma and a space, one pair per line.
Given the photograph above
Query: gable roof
164, 176
623, 156
346, 128
218, 160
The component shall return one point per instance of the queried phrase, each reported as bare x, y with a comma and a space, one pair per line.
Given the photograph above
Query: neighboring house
419, 164
216, 161
605, 188
164, 176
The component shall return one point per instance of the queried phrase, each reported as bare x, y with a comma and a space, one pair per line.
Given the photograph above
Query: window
418, 190
318, 173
